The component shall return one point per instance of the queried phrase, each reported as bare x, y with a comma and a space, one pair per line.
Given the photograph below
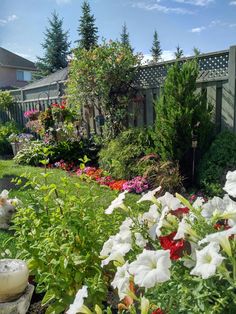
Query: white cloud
198, 29
150, 6
166, 55
201, 3
7, 20
232, 3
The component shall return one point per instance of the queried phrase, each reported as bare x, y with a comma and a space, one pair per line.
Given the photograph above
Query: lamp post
194, 147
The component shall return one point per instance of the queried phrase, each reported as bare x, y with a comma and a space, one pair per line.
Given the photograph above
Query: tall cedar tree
56, 47
179, 52
87, 29
156, 48
181, 113
124, 37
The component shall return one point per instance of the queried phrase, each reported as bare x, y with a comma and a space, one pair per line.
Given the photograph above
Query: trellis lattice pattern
211, 66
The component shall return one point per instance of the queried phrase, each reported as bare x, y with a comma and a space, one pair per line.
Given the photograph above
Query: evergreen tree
87, 29
179, 111
124, 37
156, 48
56, 47
179, 52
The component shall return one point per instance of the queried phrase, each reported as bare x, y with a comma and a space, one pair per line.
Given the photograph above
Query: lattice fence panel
211, 67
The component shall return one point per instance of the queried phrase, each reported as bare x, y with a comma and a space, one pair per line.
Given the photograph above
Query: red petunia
176, 247
179, 212
158, 311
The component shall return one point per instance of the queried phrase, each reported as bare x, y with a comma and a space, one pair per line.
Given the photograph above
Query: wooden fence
216, 81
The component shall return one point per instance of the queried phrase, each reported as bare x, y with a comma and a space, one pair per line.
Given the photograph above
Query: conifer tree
156, 48
179, 52
87, 29
56, 47
124, 37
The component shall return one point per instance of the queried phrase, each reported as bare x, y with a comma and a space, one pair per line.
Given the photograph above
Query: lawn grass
9, 169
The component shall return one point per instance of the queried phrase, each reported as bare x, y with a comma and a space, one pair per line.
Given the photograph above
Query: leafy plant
121, 155
6, 100
6, 130
61, 233
182, 114
102, 77
220, 158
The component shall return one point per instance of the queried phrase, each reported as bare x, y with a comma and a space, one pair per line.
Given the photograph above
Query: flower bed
178, 257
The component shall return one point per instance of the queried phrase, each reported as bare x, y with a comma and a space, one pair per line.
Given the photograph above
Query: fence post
232, 84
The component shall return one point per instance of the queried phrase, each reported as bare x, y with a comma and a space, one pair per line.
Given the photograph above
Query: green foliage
7, 129
156, 50
124, 37
55, 45
102, 77
6, 100
181, 113
61, 235
121, 155
69, 151
179, 52
218, 160
87, 29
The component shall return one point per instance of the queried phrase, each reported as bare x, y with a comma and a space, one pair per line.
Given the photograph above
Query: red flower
180, 211
222, 225
176, 247
158, 311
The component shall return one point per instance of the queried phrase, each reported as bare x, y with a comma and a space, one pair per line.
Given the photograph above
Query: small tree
196, 52
102, 77
6, 100
181, 113
156, 50
56, 47
124, 37
87, 29
179, 52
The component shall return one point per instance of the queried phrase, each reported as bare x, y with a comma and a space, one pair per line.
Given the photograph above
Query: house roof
12, 60
58, 76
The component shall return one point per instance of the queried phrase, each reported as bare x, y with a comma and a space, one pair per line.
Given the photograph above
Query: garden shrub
160, 173
121, 155
6, 130
61, 233
6, 100
181, 114
220, 158
69, 151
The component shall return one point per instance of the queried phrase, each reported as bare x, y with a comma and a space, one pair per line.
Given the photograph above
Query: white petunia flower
151, 218
198, 202
121, 281
213, 207
151, 267
149, 196
116, 203
139, 240
230, 184
208, 259
170, 201
221, 238
160, 223
230, 210
78, 301
190, 261
117, 246
183, 228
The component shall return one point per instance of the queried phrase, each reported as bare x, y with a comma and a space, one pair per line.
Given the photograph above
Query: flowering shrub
31, 114
137, 185
172, 258
20, 138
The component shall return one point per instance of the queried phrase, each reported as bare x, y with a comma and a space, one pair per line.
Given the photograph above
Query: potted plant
18, 141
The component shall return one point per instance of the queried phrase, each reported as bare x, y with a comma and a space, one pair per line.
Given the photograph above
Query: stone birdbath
15, 292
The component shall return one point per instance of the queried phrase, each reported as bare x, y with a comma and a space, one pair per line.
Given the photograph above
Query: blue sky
209, 25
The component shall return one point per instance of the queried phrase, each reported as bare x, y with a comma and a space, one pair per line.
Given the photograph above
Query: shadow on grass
7, 184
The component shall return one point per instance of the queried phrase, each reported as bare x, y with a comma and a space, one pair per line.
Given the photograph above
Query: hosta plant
177, 257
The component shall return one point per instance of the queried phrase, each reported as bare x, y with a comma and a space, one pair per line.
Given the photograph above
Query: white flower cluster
153, 250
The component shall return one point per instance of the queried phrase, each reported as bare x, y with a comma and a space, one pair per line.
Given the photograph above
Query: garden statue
7, 209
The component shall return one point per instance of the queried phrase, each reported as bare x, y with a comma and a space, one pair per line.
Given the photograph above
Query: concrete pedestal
19, 306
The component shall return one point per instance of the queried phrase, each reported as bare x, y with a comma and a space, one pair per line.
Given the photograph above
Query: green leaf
49, 296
